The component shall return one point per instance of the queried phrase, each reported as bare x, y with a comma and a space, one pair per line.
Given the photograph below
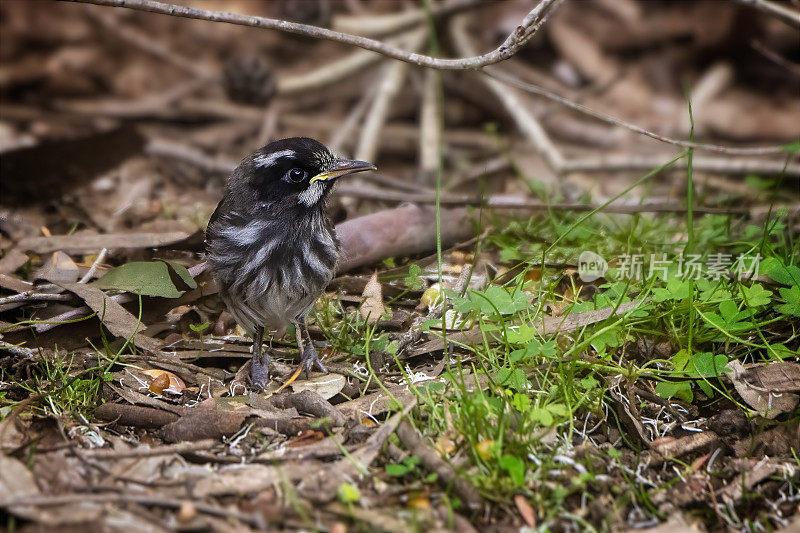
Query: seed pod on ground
249, 79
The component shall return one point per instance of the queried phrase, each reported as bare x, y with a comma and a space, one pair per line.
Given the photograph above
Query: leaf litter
512, 394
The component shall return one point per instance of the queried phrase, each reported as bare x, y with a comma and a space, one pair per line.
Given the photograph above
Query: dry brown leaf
305, 438
115, 317
767, 388
372, 309
17, 484
327, 385
525, 510
59, 267
12, 260
444, 445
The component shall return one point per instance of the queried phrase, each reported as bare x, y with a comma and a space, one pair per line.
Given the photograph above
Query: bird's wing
215, 215
231, 216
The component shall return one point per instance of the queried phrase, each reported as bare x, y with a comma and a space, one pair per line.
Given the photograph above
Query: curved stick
512, 44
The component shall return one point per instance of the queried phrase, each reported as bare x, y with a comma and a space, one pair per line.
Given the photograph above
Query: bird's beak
341, 167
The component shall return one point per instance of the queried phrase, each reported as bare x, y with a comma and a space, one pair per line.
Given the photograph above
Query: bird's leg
259, 369
308, 354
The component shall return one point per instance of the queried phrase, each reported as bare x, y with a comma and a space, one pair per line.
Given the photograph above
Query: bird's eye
296, 175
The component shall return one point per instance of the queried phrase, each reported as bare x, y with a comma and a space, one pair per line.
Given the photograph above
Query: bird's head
297, 170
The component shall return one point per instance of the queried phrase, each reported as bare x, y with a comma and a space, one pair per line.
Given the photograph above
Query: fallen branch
32, 296
135, 415
406, 230
431, 460
254, 519
528, 204
93, 243
150, 451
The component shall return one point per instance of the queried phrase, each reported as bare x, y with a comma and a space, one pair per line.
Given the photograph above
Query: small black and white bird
271, 245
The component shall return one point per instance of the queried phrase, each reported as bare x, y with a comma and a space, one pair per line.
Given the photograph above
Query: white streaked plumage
312, 194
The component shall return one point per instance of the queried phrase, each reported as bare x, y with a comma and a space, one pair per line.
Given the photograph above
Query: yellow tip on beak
341, 167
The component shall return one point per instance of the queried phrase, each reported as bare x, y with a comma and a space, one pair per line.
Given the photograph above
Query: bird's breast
276, 270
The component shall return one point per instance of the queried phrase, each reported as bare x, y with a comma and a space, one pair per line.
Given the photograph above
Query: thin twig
32, 296
392, 79
148, 44
775, 57
157, 104
510, 46
331, 72
95, 265
269, 122
19, 351
340, 136
188, 154
377, 25
535, 89
717, 165
430, 129
779, 11
525, 120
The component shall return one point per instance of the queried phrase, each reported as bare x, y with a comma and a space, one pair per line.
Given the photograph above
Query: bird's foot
310, 358
259, 372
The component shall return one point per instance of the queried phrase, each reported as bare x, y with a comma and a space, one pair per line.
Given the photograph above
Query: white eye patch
270, 159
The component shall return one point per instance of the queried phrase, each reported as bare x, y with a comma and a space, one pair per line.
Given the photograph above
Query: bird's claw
259, 373
310, 358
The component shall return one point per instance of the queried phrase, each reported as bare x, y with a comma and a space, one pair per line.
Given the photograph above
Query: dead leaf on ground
372, 309
59, 267
525, 510
327, 385
17, 484
305, 438
767, 388
114, 317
